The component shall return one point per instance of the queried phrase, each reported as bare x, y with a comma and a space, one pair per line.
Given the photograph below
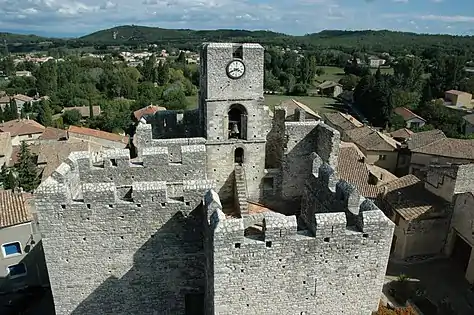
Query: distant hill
12, 38
348, 41
133, 33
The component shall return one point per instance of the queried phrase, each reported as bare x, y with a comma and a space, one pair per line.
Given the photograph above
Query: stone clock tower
232, 112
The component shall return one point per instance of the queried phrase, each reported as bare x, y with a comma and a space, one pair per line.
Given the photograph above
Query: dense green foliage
24, 174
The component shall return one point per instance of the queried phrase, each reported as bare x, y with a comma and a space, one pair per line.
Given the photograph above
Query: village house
368, 179
23, 74
411, 119
292, 105
458, 98
401, 135
421, 217
85, 111
20, 101
5, 147
106, 139
375, 62
147, 111
342, 123
413, 142
21, 260
330, 89
378, 148
441, 152
22, 130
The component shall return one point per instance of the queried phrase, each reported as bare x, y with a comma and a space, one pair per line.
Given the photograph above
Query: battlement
111, 178
268, 227
329, 201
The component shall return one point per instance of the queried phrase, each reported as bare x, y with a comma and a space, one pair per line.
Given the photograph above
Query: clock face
235, 69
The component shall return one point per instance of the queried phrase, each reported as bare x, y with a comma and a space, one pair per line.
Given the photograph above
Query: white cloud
298, 17
447, 18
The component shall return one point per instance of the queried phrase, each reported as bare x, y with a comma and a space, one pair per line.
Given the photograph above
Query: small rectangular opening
268, 244
113, 162
238, 52
237, 245
326, 239
268, 183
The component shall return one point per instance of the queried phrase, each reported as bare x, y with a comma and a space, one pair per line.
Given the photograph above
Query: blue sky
75, 18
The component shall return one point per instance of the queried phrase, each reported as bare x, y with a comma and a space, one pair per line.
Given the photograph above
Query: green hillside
19, 38
132, 33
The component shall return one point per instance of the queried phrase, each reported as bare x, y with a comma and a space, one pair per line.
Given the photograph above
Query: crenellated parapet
112, 178
270, 228
334, 204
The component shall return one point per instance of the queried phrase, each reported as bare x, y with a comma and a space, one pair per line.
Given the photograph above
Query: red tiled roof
406, 113
21, 127
98, 134
13, 209
51, 133
403, 133
149, 110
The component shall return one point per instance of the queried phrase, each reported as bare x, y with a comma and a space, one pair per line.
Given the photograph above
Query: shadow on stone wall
295, 168
30, 295
167, 276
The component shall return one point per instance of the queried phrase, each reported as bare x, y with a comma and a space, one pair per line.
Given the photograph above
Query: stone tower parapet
335, 264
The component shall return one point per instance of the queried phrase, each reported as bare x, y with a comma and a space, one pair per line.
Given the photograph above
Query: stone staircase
240, 189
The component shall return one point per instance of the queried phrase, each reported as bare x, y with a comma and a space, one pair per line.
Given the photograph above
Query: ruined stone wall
175, 124
302, 139
335, 266
125, 238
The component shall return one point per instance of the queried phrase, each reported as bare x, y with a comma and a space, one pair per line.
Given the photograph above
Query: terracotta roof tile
148, 110
13, 209
403, 133
408, 197
406, 113
51, 133
423, 138
372, 140
449, 147
355, 171
98, 134
292, 103
21, 127
343, 121
52, 154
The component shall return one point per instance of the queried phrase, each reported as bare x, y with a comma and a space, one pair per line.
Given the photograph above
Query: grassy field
316, 103
336, 73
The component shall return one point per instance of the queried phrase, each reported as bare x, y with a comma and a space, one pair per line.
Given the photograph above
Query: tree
181, 57
28, 177
174, 99
349, 82
45, 114
72, 117
7, 66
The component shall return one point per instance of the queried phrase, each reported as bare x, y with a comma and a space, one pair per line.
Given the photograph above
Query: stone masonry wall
336, 266
302, 139
121, 239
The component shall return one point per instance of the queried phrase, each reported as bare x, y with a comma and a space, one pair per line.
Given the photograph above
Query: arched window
239, 156
237, 122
